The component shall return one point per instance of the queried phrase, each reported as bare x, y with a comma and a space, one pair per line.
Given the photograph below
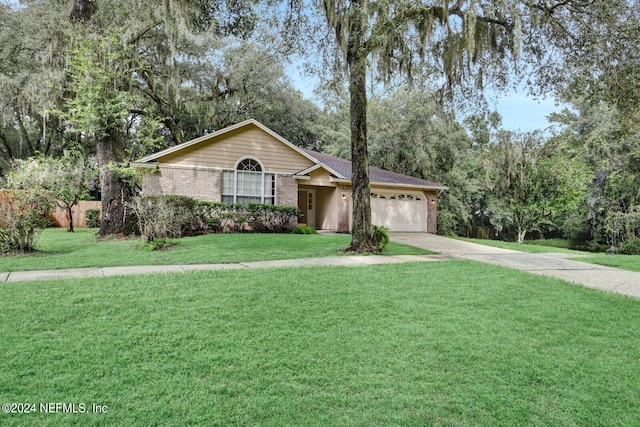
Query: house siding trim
224, 131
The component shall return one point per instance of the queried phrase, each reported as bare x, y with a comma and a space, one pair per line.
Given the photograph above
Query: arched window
250, 165
248, 183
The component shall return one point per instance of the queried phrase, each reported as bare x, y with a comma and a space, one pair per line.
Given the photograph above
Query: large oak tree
466, 45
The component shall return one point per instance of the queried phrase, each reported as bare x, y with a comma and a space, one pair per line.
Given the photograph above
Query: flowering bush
23, 216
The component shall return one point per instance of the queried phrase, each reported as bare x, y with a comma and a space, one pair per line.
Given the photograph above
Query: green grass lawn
625, 262
536, 246
452, 343
59, 249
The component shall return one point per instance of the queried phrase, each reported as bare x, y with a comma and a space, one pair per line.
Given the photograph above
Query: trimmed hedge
195, 217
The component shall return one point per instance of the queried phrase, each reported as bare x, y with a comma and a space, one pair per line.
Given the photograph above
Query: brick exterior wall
286, 190
199, 183
206, 184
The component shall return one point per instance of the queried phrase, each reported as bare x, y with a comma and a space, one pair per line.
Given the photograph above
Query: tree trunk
70, 215
68, 208
521, 234
361, 235
82, 10
24, 135
115, 193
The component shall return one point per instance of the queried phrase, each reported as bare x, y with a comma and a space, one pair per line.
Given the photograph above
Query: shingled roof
376, 175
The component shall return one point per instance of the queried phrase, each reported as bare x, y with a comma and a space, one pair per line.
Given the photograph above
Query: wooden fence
60, 218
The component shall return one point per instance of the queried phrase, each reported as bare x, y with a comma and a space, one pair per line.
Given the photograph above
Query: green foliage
156, 244
267, 218
158, 218
630, 247
380, 236
607, 211
127, 175
303, 230
92, 218
68, 179
161, 217
100, 102
23, 216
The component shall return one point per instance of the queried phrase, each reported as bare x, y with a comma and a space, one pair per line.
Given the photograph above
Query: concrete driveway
546, 264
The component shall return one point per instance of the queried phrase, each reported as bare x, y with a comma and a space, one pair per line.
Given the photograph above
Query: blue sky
519, 111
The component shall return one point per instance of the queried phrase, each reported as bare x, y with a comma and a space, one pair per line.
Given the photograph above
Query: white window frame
263, 175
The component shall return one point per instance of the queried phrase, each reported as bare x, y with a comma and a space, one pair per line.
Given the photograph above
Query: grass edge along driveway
624, 262
450, 343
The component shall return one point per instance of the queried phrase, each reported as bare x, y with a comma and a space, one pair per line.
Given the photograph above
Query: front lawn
58, 249
625, 262
453, 343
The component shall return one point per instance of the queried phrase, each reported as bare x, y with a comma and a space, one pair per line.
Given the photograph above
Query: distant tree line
113, 81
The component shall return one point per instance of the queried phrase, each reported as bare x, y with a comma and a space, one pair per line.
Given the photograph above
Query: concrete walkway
546, 264
23, 276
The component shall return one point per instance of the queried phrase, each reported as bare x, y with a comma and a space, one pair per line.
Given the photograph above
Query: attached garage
399, 210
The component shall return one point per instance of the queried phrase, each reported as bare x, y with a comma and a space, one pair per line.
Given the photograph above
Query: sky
519, 111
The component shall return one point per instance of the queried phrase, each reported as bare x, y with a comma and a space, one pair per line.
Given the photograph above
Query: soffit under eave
387, 185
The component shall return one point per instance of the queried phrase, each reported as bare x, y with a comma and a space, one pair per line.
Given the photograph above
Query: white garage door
399, 210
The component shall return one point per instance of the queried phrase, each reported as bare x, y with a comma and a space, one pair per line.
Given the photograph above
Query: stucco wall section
432, 212
343, 211
199, 183
286, 190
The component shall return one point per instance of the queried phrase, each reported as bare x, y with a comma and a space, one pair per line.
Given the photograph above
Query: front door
307, 206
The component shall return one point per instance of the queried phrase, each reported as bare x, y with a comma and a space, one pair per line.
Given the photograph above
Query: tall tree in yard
528, 184
467, 44
98, 109
128, 69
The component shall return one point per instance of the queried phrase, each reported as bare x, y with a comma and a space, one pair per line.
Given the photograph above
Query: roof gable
376, 175
224, 147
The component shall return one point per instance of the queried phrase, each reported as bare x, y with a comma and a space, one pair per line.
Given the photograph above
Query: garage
399, 210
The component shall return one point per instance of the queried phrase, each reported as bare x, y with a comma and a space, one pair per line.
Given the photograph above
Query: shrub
23, 216
161, 217
156, 244
630, 247
92, 218
158, 218
380, 236
304, 230
263, 218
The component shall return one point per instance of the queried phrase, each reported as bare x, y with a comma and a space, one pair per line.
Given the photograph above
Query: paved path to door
547, 264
